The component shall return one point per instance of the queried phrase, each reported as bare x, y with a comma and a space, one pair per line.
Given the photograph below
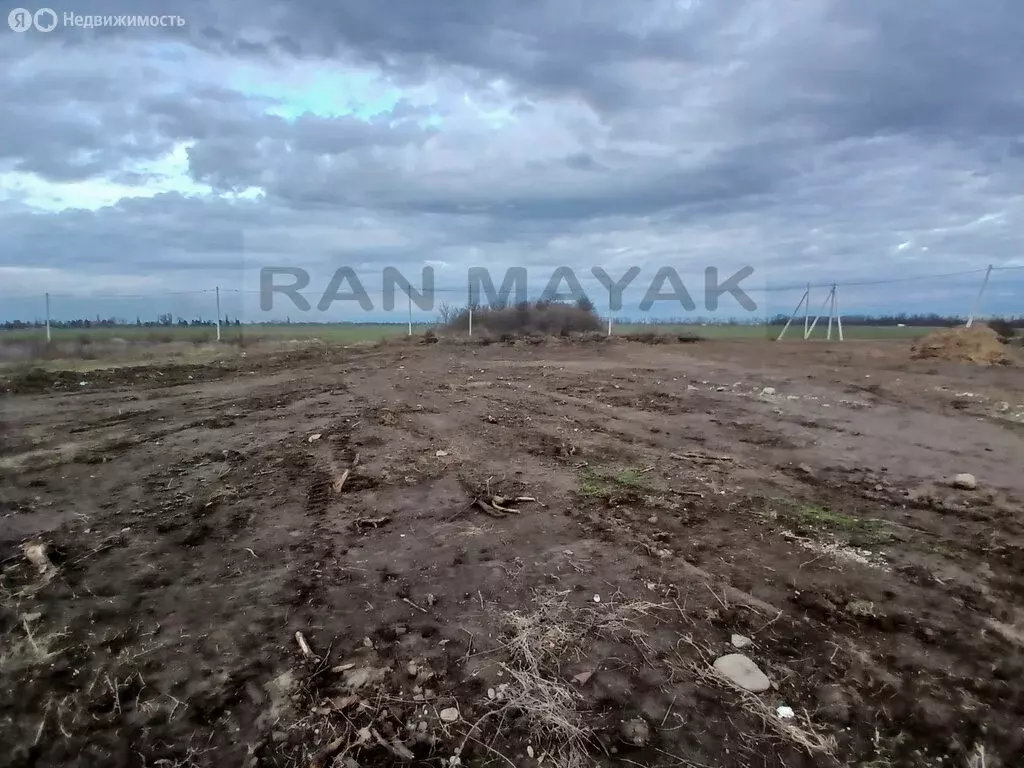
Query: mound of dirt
978, 344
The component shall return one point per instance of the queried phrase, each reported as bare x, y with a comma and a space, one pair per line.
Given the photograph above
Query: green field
795, 332
345, 333
342, 333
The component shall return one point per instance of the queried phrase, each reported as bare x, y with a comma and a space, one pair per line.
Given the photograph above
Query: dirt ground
165, 533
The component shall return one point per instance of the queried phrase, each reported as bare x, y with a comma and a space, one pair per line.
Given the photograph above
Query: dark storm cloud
936, 69
855, 68
70, 125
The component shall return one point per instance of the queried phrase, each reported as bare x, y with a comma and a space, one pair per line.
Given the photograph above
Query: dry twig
304, 646
699, 457
410, 602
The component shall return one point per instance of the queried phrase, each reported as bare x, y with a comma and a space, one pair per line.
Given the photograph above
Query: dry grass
537, 643
802, 733
977, 758
24, 649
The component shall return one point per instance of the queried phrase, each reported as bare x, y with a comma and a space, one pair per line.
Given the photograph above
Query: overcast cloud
821, 140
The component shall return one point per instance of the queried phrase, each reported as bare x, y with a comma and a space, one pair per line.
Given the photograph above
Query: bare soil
797, 494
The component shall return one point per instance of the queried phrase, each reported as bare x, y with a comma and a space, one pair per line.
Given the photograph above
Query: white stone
449, 715
740, 641
966, 481
740, 670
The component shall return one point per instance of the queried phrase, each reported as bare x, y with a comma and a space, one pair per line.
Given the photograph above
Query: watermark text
665, 289
47, 20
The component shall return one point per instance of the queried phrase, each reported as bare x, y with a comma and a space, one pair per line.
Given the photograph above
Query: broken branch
304, 646
340, 482
488, 509
698, 457
410, 602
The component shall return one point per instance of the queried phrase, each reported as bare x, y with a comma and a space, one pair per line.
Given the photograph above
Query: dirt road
800, 496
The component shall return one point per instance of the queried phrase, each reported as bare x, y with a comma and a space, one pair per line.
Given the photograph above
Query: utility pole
807, 310
977, 301
831, 312
803, 299
48, 317
218, 312
835, 306
409, 297
817, 317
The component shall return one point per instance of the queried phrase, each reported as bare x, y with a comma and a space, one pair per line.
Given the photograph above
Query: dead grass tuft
978, 344
801, 733
23, 649
537, 643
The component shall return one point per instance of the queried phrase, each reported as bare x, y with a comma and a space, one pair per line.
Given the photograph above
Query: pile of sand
978, 344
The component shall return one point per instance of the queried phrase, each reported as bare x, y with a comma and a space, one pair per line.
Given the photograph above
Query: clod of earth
861, 609
357, 678
35, 553
740, 642
965, 481
635, 732
742, 671
370, 522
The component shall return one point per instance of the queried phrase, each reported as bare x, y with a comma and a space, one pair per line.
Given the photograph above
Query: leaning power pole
977, 301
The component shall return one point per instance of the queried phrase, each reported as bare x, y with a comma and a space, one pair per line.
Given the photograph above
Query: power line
462, 291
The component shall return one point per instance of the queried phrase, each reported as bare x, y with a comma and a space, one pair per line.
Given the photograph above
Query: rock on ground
965, 481
742, 671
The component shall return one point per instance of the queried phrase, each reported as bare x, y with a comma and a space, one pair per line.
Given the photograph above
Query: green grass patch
803, 518
761, 331
596, 483
337, 332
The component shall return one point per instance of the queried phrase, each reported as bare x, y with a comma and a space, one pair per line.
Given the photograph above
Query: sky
821, 141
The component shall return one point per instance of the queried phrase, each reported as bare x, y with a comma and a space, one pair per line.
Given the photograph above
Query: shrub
543, 318
1004, 328
656, 337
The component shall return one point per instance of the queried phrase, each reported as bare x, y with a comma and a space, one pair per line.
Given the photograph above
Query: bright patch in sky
169, 174
495, 114
319, 90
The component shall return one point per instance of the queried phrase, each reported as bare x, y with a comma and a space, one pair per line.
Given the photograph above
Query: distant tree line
162, 321
448, 313
930, 320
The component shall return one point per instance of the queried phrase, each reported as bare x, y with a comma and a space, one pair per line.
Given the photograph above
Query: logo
22, 19
45, 19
